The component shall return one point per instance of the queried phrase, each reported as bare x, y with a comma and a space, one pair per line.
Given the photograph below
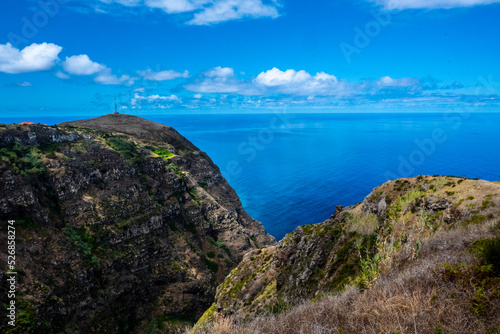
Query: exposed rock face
353, 246
120, 222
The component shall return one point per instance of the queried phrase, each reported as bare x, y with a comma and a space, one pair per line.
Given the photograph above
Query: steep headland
419, 255
122, 225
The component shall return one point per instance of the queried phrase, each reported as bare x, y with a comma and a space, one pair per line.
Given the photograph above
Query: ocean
293, 169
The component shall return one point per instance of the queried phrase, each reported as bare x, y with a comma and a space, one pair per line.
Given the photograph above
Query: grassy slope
427, 264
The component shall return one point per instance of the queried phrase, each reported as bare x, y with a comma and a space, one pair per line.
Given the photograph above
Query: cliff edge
122, 225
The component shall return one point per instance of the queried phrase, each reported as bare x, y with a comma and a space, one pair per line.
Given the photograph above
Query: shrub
211, 254
488, 250
212, 266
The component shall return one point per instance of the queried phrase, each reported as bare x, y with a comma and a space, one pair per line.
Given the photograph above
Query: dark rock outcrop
121, 223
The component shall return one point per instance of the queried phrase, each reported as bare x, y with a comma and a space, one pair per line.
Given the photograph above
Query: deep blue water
292, 169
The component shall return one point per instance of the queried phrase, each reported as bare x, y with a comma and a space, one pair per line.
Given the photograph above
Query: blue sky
60, 57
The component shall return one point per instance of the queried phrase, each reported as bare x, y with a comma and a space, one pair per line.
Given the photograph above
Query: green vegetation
157, 325
25, 160
212, 266
193, 192
220, 244
85, 244
28, 322
177, 170
254, 240
488, 250
477, 219
165, 154
365, 224
486, 204
125, 147
211, 254
279, 306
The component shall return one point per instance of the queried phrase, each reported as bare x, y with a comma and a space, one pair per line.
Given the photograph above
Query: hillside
122, 225
419, 255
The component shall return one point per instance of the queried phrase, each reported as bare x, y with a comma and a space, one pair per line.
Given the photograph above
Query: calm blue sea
292, 169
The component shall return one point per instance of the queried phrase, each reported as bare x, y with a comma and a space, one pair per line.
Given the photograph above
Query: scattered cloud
274, 81
105, 77
222, 80
219, 72
176, 6
430, 4
155, 101
162, 75
62, 75
82, 65
36, 57
387, 81
226, 10
20, 84
200, 12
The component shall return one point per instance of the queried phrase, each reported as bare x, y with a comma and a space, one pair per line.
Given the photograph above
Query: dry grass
364, 224
412, 297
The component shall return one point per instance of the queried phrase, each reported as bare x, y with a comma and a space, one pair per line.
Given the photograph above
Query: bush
488, 250
211, 254
212, 266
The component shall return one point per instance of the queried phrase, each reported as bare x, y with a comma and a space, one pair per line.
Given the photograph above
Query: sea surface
293, 169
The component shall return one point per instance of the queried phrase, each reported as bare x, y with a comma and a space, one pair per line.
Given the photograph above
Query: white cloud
206, 11
156, 97
82, 65
36, 57
163, 75
197, 96
176, 6
23, 84
219, 72
302, 83
275, 77
387, 81
291, 82
221, 80
128, 3
107, 78
414, 4
62, 75
226, 10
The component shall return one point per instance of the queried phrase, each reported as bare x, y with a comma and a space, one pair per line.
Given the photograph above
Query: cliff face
122, 224
378, 237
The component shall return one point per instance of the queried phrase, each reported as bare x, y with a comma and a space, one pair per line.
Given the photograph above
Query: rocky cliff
122, 225
420, 253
